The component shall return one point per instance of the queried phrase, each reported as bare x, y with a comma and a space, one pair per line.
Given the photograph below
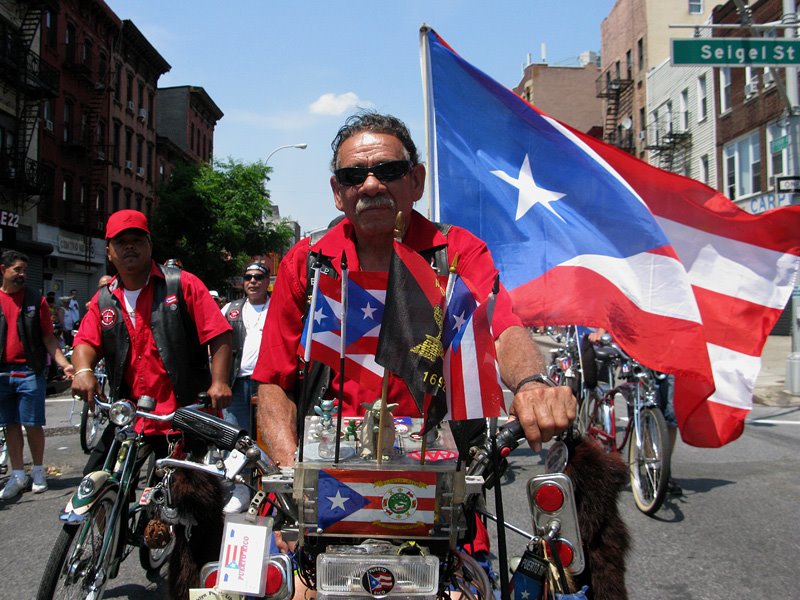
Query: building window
129, 90
128, 149
149, 162
69, 44
702, 99
695, 7
47, 113
66, 189
140, 154
117, 82
86, 54
684, 108
704, 174
115, 199
743, 166
68, 115
150, 108
102, 67
191, 138
629, 64
777, 142
141, 94
640, 53
724, 89
100, 203
117, 142
750, 82
128, 199
50, 28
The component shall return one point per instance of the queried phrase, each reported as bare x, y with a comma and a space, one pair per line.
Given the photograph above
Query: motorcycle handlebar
143, 413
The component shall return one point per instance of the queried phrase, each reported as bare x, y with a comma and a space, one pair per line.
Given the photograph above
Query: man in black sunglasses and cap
376, 174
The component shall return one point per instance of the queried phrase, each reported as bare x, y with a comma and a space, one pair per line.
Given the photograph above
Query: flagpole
342, 344
451, 280
382, 415
301, 405
430, 129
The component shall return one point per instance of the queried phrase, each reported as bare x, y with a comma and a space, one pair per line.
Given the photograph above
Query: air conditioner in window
101, 156
642, 135
48, 124
128, 165
142, 114
769, 78
130, 105
140, 171
750, 89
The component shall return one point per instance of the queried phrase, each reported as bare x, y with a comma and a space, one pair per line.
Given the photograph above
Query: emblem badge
399, 503
378, 581
171, 299
234, 314
108, 318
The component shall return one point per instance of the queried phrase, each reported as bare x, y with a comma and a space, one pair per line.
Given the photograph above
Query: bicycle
104, 521
646, 432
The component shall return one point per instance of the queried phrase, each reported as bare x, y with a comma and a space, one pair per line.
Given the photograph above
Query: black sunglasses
256, 277
385, 172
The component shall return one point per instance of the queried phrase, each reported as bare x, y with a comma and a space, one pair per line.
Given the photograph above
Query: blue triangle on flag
336, 500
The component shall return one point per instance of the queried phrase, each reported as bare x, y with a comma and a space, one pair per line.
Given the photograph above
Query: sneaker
39, 482
240, 499
14, 487
673, 489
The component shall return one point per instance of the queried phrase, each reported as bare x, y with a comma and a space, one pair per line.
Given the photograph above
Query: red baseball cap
125, 219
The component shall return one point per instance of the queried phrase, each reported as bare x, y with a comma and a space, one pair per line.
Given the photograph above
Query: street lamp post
298, 146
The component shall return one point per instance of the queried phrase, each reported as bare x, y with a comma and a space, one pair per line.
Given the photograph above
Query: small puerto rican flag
171, 299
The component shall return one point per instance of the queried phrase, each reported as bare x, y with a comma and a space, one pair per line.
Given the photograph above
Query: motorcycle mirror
146, 403
606, 339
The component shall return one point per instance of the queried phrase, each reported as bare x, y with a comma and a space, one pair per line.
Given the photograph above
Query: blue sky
290, 72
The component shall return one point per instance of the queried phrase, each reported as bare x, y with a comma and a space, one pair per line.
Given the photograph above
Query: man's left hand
543, 412
221, 395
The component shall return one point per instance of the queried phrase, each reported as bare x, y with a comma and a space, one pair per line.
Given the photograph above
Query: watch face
557, 457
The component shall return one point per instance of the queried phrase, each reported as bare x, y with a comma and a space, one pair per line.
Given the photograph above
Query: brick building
25, 81
634, 38
752, 141
187, 117
564, 93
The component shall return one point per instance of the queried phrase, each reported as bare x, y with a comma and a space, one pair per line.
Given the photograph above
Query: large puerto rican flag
398, 503
584, 233
366, 293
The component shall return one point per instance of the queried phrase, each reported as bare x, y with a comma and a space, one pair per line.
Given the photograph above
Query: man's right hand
85, 386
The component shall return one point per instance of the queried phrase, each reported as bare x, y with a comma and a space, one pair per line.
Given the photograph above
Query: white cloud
335, 105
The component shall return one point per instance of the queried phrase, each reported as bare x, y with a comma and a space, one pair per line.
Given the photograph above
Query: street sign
736, 52
779, 144
787, 185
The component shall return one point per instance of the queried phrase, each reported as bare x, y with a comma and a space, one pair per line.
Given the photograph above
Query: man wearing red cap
168, 362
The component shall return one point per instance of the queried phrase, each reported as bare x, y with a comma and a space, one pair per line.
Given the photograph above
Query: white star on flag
319, 314
368, 311
530, 193
459, 321
338, 500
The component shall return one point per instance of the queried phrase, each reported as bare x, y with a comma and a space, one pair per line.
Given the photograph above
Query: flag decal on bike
376, 502
378, 581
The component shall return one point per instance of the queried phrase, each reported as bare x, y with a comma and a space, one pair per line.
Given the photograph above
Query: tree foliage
211, 217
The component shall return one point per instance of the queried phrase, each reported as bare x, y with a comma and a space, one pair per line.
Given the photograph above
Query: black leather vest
184, 358
234, 317
30, 332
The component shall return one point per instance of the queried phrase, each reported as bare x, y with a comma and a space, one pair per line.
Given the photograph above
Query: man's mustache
382, 201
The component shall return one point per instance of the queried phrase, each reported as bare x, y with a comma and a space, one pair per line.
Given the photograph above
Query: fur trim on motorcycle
598, 477
199, 499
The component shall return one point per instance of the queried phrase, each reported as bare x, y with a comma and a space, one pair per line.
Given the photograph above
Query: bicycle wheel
600, 417
75, 568
90, 431
648, 460
151, 559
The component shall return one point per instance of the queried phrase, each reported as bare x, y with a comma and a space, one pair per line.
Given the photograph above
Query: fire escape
86, 141
32, 80
617, 91
669, 149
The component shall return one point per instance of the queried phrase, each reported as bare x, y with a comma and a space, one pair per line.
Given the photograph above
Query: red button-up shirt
11, 305
145, 373
278, 359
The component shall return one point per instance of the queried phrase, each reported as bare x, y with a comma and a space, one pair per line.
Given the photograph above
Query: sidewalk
771, 380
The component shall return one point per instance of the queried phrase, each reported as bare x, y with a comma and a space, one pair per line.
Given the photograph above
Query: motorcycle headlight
121, 412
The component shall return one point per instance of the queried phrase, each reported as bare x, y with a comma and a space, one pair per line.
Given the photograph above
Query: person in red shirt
370, 200
26, 337
171, 368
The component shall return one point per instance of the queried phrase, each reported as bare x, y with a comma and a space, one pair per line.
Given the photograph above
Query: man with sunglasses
246, 316
376, 174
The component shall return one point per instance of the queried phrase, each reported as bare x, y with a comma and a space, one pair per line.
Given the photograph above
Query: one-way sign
788, 185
